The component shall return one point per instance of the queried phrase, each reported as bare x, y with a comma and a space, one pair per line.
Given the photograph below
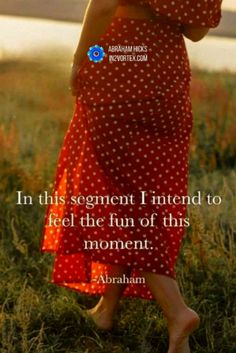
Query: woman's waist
142, 12
140, 19
135, 12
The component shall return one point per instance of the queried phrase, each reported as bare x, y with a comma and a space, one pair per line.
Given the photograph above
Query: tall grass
37, 316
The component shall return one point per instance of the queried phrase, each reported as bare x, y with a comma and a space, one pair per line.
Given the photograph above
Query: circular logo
96, 54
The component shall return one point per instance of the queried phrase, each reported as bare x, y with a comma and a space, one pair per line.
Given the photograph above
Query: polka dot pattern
130, 132
204, 13
165, 73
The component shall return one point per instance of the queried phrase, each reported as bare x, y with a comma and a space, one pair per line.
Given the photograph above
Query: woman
129, 136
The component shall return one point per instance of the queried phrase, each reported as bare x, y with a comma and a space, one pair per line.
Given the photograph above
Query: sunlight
229, 5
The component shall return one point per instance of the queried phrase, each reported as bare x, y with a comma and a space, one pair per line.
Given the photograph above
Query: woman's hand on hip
74, 77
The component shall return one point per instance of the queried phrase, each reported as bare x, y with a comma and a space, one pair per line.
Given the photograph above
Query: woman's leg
103, 312
180, 318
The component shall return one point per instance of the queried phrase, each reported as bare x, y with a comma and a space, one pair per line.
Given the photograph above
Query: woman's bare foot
101, 315
180, 329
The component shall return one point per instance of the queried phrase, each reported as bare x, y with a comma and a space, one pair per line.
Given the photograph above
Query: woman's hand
97, 18
74, 76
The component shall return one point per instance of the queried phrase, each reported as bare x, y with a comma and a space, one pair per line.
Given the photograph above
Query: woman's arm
97, 18
194, 33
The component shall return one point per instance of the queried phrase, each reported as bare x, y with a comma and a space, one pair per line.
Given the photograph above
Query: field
39, 317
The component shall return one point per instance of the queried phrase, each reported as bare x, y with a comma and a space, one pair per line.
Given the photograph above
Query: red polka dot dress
128, 138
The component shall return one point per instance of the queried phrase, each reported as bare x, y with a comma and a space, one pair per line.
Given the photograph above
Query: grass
37, 316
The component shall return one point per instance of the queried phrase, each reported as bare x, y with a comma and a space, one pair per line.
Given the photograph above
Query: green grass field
36, 316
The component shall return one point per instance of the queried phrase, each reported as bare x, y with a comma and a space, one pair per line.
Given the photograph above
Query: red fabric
203, 13
130, 132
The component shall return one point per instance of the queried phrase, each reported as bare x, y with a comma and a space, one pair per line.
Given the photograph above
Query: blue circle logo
96, 54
